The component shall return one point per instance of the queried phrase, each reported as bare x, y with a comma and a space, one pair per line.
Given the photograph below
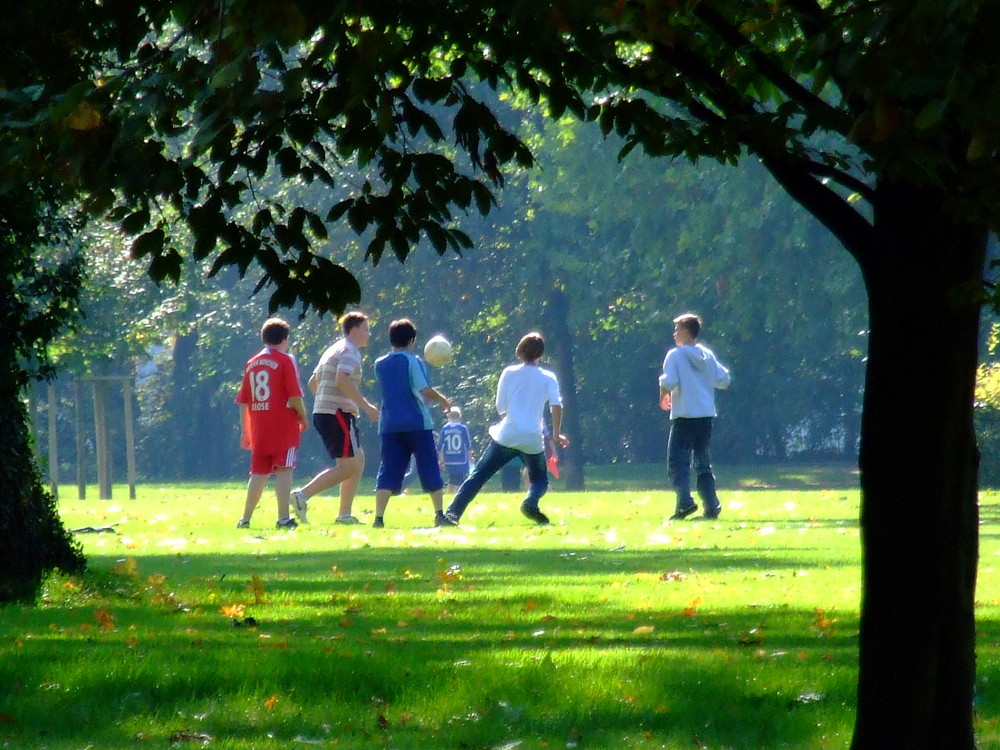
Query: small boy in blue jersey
455, 449
405, 426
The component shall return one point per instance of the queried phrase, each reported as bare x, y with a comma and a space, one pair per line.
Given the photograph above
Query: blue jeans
495, 458
689, 438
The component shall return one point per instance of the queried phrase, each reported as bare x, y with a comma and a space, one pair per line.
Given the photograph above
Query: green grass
609, 629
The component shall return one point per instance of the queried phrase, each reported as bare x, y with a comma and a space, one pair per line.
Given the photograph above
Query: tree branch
790, 167
844, 222
771, 69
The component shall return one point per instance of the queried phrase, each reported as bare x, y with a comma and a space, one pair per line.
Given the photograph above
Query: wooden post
129, 437
81, 450
53, 442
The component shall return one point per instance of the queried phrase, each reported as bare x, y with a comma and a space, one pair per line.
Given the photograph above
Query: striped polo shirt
344, 357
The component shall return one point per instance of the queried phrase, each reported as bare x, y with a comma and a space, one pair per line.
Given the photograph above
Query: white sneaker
347, 520
300, 505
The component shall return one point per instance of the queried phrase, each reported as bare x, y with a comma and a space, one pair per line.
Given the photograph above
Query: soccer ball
437, 351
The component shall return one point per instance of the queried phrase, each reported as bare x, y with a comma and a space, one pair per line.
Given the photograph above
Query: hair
531, 346
274, 331
689, 321
350, 321
402, 332
455, 412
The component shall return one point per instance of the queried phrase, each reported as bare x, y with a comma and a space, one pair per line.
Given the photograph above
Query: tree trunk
32, 539
919, 513
183, 418
561, 350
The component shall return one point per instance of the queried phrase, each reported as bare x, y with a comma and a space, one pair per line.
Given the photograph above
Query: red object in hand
553, 464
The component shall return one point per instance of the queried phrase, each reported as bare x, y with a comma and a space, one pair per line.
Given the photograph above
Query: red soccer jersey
270, 378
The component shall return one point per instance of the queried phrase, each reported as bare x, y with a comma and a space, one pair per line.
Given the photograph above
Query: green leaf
338, 210
150, 243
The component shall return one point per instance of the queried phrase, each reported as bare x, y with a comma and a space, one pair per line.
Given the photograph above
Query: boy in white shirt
522, 393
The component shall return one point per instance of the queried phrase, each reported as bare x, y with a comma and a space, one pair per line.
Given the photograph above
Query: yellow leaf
83, 117
233, 610
644, 630
269, 703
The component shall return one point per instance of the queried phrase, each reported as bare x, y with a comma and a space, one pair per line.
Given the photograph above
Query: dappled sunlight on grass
613, 627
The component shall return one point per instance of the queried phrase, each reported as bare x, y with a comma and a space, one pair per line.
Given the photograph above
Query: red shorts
266, 463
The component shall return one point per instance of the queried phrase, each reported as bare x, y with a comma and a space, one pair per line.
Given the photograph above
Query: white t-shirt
522, 393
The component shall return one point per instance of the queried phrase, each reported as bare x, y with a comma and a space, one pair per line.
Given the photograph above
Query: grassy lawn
609, 629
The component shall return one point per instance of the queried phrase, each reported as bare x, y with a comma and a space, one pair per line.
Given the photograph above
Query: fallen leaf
105, 619
233, 610
692, 609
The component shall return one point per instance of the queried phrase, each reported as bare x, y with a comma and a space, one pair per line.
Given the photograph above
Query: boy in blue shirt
405, 425
455, 449
691, 375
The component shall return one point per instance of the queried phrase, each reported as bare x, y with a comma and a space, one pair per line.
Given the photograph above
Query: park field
609, 629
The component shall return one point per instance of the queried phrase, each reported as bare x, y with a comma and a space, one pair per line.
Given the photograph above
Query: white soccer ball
437, 351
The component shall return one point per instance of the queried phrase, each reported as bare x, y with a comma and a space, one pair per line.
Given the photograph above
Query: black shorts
339, 433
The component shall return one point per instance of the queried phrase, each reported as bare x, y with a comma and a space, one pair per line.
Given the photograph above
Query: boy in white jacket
691, 374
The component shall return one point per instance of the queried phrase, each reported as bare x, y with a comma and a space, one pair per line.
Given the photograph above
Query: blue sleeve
418, 375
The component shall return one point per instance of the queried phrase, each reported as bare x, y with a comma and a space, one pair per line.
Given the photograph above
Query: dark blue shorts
397, 447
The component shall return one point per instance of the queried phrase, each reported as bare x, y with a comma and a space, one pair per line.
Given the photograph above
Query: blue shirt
401, 377
455, 444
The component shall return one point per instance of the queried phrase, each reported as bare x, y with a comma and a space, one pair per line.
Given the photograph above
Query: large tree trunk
32, 539
919, 514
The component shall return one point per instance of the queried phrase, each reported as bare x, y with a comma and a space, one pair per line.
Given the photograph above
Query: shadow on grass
441, 658
646, 477
401, 648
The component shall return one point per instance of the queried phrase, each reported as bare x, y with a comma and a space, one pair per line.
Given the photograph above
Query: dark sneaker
378, 523
348, 520
442, 519
286, 523
535, 515
243, 524
300, 504
680, 515
452, 519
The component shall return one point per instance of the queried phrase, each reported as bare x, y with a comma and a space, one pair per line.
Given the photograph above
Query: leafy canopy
174, 112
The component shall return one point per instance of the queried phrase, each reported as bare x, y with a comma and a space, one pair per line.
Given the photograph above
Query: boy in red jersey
272, 418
